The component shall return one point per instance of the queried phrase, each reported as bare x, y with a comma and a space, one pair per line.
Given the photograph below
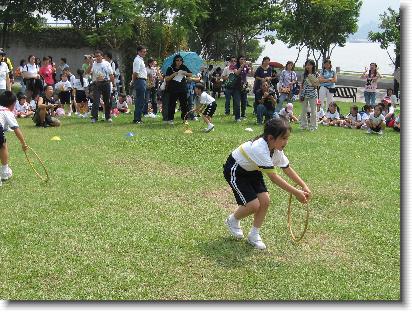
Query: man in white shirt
139, 79
102, 75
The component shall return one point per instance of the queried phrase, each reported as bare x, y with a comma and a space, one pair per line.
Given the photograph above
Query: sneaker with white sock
256, 241
5, 175
234, 229
210, 127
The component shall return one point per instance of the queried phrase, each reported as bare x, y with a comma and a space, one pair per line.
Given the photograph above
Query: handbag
332, 90
285, 90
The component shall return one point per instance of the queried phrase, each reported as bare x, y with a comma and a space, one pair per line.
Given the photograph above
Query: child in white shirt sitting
122, 105
353, 119
332, 117
22, 108
376, 121
287, 112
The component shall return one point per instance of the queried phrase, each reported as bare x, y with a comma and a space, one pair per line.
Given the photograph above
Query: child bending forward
243, 171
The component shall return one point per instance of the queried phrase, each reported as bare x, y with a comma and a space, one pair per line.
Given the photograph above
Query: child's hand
24, 147
308, 192
302, 196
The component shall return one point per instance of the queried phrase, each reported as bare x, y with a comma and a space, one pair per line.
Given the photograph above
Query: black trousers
173, 97
101, 88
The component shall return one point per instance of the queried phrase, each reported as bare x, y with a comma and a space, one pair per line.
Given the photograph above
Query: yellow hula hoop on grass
197, 109
292, 235
44, 177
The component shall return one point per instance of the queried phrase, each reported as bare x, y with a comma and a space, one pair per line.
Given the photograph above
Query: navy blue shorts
244, 184
210, 109
2, 137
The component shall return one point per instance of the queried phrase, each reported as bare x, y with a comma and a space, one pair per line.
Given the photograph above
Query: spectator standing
31, 76
177, 87
371, 78
309, 95
46, 72
153, 75
139, 79
263, 73
4, 74
232, 81
327, 79
102, 75
287, 79
246, 71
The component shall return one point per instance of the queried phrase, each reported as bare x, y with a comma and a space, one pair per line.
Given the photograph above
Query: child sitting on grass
376, 121
8, 121
320, 114
365, 113
397, 125
22, 108
287, 112
332, 117
243, 172
205, 99
122, 105
353, 119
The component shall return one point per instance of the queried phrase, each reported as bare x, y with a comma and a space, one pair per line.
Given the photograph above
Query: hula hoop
186, 122
44, 177
292, 235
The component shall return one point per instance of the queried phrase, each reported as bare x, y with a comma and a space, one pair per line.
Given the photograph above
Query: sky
371, 9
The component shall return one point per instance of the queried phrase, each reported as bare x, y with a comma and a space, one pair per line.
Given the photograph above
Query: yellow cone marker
55, 138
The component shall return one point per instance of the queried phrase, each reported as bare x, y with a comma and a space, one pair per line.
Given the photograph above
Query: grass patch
142, 218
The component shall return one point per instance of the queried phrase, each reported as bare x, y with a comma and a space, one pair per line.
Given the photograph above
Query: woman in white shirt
32, 78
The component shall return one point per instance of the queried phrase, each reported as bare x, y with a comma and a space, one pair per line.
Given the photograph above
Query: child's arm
20, 136
301, 195
297, 179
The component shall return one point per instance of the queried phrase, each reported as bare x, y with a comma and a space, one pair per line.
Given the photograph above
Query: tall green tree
320, 25
19, 14
391, 34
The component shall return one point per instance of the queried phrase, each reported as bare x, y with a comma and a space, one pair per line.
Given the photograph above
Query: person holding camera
266, 102
102, 75
45, 108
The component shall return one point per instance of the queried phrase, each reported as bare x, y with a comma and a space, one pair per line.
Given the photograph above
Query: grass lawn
142, 218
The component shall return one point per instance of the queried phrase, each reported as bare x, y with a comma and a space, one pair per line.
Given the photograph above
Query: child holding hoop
243, 171
8, 120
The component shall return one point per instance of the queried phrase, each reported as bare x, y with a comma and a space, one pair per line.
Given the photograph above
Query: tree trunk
396, 85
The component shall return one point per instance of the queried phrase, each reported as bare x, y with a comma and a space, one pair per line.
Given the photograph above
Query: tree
391, 34
320, 25
19, 14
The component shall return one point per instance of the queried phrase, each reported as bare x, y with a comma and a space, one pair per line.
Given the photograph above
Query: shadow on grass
228, 252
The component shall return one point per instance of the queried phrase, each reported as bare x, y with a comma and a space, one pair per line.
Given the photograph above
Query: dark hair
99, 52
140, 48
376, 70
109, 54
218, 69
177, 56
63, 59
354, 107
7, 99
387, 91
275, 127
50, 58
80, 72
200, 86
21, 95
22, 62
334, 105
150, 61
238, 60
265, 58
289, 62
312, 62
30, 56
380, 107
48, 85
210, 67
45, 58
326, 61
366, 107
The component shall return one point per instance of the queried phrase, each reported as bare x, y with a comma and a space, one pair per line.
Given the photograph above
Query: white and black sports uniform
80, 90
245, 175
206, 99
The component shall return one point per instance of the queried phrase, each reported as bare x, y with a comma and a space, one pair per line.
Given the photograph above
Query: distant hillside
362, 33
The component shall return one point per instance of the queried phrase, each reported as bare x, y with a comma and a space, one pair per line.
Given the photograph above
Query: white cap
289, 107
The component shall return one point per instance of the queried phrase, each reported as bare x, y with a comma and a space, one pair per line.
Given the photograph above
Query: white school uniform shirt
258, 152
139, 67
335, 115
285, 113
78, 85
7, 119
32, 69
320, 114
376, 120
122, 105
4, 71
21, 108
354, 118
66, 85
206, 98
101, 71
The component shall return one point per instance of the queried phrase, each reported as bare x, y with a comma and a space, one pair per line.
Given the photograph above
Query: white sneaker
256, 241
380, 132
210, 127
171, 122
234, 230
147, 115
6, 175
196, 118
369, 131
69, 114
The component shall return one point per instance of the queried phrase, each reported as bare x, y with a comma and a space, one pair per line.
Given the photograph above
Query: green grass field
142, 218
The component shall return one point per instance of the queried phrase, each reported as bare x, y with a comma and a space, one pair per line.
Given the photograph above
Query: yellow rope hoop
290, 221
44, 178
197, 109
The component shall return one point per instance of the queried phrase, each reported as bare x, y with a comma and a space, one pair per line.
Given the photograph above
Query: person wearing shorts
45, 108
205, 99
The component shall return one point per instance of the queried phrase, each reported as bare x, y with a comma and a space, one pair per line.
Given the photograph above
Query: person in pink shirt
47, 71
